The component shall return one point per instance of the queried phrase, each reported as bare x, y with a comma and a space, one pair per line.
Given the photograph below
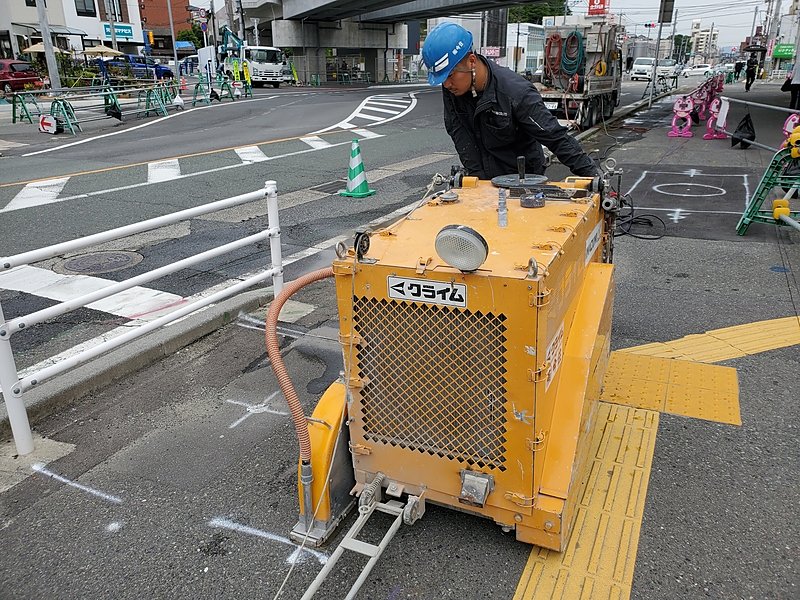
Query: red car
15, 75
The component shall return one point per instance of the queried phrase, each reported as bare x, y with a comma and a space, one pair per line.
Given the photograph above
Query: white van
642, 68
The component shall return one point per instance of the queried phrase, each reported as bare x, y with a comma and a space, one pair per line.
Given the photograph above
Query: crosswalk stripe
398, 104
369, 117
163, 170
136, 303
316, 142
251, 154
366, 133
5, 144
39, 192
381, 110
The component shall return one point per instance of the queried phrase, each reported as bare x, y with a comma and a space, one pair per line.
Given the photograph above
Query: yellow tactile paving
674, 386
727, 343
599, 560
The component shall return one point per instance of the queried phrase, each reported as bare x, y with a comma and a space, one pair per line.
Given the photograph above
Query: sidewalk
190, 463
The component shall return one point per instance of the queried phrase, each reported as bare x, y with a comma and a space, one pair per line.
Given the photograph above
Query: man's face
459, 81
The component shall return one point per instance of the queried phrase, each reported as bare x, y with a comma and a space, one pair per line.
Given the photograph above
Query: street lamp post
172, 33
47, 41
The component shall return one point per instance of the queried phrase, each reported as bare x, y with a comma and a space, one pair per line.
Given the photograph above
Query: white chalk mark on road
40, 468
255, 409
219, 522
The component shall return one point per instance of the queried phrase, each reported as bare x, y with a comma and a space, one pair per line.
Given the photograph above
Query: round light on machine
461, 247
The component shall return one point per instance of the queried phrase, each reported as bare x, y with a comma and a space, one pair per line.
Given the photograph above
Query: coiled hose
276, 360
552, 54
572, 53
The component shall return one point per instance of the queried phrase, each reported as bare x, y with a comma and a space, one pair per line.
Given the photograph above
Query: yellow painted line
680, 387
178, 156
727, 343
599, 560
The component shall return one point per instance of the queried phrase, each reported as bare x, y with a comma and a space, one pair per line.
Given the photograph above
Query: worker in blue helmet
493, 114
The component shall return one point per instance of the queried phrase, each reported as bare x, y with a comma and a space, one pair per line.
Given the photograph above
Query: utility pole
516, 52
47, 41
242, 30
655, 62
255, 31
672, 39
111, 13
172, 34
711, 43
753, 30
772, 33
229, 11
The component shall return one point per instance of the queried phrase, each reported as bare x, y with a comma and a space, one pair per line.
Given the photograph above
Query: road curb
65, 389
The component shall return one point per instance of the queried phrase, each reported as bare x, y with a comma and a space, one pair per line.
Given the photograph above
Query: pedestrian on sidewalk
737, 70
793, 89
492, 114
750, 71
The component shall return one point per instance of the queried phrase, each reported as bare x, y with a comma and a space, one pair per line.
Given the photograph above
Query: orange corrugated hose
275, 359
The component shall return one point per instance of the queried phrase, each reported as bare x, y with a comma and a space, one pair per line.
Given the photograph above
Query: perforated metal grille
435, 379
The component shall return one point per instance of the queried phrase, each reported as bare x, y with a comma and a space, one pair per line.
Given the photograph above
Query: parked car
141, 66
704, 70
15, 75
642, 68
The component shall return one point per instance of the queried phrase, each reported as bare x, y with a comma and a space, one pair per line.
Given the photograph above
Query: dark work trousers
751, 77
794, 102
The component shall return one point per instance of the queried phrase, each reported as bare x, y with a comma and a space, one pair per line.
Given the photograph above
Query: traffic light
150, 37
649, 25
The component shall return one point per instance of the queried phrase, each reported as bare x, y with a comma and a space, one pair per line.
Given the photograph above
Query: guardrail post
9, 378
275, 240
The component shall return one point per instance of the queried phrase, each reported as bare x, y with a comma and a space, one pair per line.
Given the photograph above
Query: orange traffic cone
184, 87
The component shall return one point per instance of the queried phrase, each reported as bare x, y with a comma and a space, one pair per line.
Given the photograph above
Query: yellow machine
475, 335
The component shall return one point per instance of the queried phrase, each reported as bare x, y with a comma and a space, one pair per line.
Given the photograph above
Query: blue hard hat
446, 45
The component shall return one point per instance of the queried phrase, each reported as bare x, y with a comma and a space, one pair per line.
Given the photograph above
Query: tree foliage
534, 11
194, 35
681, 47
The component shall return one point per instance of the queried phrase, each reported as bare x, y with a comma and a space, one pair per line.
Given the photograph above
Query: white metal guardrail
14, 388
723, 115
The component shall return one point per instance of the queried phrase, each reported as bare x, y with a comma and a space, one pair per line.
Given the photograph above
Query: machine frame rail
349, 542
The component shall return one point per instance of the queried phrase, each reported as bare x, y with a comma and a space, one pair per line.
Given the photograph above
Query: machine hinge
543, 298
342, 268
422, 264
355, 383
562, 228
360, 449
520, 499
539, 374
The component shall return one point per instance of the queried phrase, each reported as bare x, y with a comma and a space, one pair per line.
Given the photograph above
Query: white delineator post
275, 239
12, 395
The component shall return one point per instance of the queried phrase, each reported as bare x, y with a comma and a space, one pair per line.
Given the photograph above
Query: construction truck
581, 77
263, 64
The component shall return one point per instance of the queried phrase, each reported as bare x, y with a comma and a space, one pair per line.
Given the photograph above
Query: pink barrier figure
789, 124
711, 132
682, 120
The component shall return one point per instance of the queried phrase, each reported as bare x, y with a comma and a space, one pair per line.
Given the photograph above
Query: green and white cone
357, 186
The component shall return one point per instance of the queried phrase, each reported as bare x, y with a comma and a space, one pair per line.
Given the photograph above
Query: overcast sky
733, 18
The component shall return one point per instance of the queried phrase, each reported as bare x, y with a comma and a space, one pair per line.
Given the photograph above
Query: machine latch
536, 444
353, 339
360, 449
520, 499
422, 264
539, 374
475, 488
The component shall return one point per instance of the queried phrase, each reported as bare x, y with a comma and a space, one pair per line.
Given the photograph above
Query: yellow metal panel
599, 560
477, 208
679, 387
323, 430
727, 343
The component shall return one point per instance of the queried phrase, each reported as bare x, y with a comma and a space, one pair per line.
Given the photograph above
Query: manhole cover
95, 263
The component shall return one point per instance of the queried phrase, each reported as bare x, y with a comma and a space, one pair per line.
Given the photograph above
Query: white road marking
251, 154
316, 142
40, 468
219, 522
678, 215
37, 193
163, 170
366, 133
136, 303
372, 106
346, 123
5, 144
367, 117
397, 104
